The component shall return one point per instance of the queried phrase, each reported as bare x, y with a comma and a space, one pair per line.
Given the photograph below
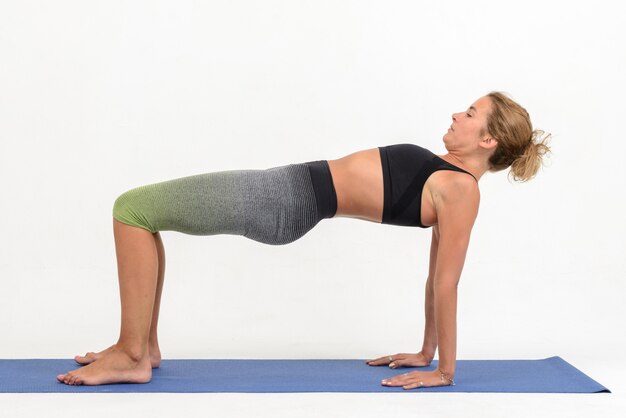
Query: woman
399, 184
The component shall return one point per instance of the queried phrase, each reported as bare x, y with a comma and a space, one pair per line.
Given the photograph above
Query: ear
488, 143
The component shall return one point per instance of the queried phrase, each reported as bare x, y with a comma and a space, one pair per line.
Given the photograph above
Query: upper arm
457, 207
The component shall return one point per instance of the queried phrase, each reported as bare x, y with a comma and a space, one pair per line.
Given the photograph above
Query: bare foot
90, 357
116, 366
155, 356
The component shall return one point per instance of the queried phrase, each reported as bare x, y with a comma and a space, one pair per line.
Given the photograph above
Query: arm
457, 209
429, 347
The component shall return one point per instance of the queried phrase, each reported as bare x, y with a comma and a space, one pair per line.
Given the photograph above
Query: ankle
153, 343
135, 352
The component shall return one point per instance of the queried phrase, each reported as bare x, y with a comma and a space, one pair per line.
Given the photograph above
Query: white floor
328, 404
313, 405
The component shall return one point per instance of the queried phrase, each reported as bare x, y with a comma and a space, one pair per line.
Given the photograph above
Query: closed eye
468, 115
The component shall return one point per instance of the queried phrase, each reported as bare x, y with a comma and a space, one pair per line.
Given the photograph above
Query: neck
476, 166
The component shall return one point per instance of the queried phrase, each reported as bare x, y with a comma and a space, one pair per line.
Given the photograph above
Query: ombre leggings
274, 206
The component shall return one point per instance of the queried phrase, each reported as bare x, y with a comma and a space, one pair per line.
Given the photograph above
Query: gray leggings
273, 206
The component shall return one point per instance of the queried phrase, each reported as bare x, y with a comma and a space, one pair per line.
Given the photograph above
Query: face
468, 128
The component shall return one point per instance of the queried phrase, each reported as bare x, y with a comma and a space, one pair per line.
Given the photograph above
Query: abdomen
358, 181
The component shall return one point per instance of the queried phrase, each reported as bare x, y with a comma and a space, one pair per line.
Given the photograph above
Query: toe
71, 378
86, 359
64, 378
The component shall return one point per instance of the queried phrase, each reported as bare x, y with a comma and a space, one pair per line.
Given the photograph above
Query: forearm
445, 298
429, 347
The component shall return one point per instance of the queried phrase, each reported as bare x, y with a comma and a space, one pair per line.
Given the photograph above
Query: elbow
446, 286
430, 283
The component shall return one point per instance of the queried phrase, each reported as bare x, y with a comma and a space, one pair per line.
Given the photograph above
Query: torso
358, 181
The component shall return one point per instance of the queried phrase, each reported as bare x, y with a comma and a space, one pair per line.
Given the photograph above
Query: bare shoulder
452, 186
455, 195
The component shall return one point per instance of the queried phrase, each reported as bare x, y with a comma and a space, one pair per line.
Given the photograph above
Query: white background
99, 97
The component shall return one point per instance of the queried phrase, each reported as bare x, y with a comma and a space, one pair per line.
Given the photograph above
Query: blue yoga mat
551, 375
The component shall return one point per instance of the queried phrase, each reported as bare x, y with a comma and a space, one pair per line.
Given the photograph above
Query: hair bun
539, 134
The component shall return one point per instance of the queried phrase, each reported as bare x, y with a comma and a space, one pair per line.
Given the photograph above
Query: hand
414, 380
402, 360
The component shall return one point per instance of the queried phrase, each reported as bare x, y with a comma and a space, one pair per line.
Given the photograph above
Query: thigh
280, 205
203, 204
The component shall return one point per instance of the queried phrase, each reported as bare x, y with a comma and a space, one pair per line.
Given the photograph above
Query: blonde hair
519, 146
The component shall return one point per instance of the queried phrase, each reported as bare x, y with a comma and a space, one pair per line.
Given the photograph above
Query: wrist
429, 353
446, 378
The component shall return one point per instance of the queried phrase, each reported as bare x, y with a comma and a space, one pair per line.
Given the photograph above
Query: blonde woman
401, 184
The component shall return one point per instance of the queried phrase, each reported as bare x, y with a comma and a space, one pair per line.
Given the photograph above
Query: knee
130, 208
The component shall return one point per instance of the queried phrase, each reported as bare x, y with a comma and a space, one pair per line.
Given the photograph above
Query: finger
400, 362
383, 360
414, 380
399, 380
406, 362
389, 359
393, 382
389, 382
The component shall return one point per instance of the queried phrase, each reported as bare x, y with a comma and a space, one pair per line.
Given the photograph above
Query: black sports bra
406, 167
